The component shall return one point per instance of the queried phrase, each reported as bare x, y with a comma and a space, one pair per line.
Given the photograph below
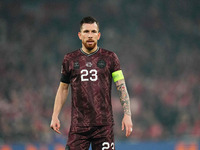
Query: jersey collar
90, 53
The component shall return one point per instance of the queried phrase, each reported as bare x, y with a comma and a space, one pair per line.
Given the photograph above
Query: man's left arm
125, 102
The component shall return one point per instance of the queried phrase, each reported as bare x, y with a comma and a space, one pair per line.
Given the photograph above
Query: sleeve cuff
65, 78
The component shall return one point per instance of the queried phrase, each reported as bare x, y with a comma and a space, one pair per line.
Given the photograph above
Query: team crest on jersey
101, 63
89, 64
76, 65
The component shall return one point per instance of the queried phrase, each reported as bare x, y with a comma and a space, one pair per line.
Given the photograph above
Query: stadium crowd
156, 41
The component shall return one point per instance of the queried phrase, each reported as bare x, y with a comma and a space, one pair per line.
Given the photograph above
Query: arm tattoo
124, 98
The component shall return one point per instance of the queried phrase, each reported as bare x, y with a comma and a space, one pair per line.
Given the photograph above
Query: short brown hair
89, 20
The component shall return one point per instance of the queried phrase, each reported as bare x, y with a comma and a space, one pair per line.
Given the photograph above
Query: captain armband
117, 75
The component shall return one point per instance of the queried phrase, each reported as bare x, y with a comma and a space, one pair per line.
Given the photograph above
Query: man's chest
90, 68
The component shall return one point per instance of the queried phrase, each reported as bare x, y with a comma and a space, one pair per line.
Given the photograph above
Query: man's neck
89, 51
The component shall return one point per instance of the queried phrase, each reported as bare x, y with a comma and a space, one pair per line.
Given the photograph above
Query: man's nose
90, 35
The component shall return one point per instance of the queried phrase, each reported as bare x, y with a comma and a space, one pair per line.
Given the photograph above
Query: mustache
90, 41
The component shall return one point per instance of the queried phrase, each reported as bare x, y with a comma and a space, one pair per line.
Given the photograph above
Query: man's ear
99, 35
79, 35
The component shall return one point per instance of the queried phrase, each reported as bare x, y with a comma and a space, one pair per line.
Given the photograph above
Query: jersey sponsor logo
89, 64
101, 63
76, 65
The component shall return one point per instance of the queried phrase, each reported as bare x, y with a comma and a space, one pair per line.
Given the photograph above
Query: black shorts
100, 137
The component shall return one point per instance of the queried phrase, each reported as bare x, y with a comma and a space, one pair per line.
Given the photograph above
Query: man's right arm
60, 99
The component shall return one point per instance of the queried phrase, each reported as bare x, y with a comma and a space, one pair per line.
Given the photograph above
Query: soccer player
90, 71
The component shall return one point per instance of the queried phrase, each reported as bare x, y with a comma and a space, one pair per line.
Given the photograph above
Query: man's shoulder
73, 54
107, 52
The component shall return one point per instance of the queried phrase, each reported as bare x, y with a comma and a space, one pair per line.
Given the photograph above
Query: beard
89, 46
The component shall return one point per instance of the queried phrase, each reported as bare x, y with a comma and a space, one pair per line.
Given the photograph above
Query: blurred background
157, 42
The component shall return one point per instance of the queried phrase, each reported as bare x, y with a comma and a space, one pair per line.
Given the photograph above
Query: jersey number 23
89, 75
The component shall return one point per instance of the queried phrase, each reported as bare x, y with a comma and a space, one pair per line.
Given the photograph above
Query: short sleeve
115, 63
65, 73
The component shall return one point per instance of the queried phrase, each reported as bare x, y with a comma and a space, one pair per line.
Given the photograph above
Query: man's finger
58, 125
129, 131
52, 127
56, 129
122, 126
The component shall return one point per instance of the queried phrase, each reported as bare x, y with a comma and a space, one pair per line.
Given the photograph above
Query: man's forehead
90, 26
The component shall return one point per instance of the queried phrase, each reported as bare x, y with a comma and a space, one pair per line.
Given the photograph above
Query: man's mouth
90, 41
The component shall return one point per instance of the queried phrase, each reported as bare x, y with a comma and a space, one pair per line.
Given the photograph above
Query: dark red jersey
90, 76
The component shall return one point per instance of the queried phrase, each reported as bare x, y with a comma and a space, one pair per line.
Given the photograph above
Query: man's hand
127, 123
55, 125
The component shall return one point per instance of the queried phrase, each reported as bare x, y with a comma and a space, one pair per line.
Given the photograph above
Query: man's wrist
127, 114
55, 116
